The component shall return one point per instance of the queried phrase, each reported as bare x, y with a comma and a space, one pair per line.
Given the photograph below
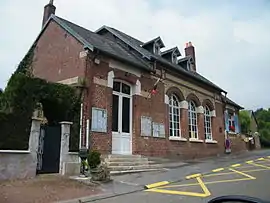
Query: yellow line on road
248, 162
260, 159
158, 184
228, 173
244, 174
236, 165
204, 188
259, 165
217, 170
207, 183
194, 176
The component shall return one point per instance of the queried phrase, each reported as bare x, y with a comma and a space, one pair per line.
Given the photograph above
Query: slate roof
93, 40
229, 101
171, 50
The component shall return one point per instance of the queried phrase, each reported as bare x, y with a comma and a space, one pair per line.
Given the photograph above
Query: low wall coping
73, 153
15, 152
66, 122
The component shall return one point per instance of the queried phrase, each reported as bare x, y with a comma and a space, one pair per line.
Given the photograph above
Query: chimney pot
190, 51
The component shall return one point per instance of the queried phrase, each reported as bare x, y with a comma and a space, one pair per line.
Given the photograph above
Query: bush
94, 159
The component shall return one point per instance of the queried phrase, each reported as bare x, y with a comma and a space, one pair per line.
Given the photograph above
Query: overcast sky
231, 37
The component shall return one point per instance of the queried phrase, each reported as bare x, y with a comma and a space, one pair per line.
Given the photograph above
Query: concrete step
133, 163
139, 167
123, 156
133, 171
125, 159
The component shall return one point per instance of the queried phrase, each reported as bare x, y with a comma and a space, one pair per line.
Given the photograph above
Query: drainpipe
87, 100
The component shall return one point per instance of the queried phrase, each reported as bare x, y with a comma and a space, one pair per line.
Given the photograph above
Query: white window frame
192, 121
174, 58
174, 106
231, 121
207, 124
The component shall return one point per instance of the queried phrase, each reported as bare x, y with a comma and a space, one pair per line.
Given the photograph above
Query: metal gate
48, 155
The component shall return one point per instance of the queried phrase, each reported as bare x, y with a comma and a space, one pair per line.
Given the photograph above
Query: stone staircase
119, 164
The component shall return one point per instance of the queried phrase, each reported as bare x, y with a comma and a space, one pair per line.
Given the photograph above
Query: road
245, 174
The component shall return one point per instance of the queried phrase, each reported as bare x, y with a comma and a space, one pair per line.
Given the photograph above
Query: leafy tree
245, 121
263, 118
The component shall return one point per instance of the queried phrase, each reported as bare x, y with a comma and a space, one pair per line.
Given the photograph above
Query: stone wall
21, 164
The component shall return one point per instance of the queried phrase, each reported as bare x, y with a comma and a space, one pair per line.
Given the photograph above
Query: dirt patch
44, 189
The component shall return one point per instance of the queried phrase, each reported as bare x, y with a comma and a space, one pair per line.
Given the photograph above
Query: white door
121, 119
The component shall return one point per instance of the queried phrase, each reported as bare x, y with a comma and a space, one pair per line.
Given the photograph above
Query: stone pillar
33, 146
64, 148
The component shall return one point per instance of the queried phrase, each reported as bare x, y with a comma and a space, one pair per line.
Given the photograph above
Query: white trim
166, 99
87, 133
123, 67
195, 140
199, 109
184, 104
138, 88
211, 141
15, 151
81, 117
66, 123
110, 79
213, 113
177, 138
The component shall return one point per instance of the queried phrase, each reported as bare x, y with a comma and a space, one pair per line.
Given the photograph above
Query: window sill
182, 139
211, 142
161, 137
195, 140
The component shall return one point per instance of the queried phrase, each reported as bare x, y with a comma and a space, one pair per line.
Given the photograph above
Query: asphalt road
245, 174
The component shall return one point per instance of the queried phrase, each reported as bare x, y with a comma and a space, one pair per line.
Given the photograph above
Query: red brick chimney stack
190, 51
49, 9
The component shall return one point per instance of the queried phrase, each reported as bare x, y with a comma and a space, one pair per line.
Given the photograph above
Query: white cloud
232, 53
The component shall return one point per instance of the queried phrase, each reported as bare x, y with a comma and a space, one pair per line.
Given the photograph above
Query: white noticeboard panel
146, 126
99, 120
158, 130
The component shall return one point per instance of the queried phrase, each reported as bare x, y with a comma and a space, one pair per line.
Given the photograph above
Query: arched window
207, 123
174, 114
192, 117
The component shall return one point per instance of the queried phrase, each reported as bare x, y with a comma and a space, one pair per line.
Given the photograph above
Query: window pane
125, 89
116, 86
115, 113
126, 115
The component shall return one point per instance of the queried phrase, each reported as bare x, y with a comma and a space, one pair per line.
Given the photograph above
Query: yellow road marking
205, 193
194, 176
260, 165
158, 184
217, 170
228, 173
236, 165
206, 183
248, 162
260, 159
268, 157
244, 174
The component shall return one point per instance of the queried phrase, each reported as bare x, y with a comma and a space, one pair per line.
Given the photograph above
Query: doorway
121, 118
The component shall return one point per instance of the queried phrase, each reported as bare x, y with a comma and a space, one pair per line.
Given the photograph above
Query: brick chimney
49, 9
190, 51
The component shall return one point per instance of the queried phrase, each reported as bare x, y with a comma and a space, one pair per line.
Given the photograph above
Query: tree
245, 121
263, 118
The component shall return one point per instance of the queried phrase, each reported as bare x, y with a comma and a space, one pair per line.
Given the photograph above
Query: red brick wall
57, 55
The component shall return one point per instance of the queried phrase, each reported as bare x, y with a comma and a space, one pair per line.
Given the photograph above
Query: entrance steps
120, 164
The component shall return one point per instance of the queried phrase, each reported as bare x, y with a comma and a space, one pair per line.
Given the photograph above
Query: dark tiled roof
229, 101
115, 50
171, 50
150, 55
105, 45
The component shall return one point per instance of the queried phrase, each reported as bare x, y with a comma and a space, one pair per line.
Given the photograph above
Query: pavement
199, 181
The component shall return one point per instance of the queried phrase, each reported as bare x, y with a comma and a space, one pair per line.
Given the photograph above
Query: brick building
139, 98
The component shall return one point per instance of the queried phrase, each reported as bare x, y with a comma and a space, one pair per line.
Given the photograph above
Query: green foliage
245, 121
263, 118
94, 159
19, 100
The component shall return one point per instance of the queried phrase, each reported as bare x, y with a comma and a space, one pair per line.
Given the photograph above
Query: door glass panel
126, 115
125, 89
116, 86
115, 109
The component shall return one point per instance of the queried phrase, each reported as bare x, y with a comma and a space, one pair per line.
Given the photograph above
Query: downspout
87, 101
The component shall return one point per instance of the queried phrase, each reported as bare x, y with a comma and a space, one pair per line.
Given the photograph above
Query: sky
231, 38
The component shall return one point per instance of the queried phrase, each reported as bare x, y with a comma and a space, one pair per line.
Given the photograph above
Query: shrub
94, 159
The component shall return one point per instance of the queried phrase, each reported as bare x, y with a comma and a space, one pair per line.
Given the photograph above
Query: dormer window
174, 58
156, 48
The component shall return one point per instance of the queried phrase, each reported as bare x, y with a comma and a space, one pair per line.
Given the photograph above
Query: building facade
138, 99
